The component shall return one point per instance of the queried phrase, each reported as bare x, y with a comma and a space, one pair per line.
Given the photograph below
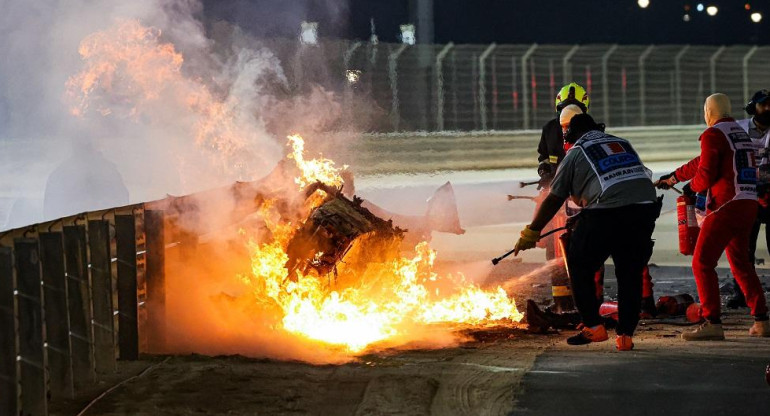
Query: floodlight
712, 10
756, 17
309, 33
643, 3
353, 75
699, 7
686, 17
407, 34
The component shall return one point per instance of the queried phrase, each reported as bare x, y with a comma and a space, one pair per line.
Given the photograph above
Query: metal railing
70, 291
79, 293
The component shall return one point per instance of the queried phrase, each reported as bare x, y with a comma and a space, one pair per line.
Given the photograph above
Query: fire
389, 300
130, 73
314, 170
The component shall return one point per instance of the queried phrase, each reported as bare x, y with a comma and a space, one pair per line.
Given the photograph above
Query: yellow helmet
572, 93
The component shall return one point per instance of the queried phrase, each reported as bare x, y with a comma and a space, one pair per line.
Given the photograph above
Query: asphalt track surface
667, 382
663, 375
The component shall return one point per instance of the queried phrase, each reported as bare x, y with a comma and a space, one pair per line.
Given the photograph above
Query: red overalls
724, 169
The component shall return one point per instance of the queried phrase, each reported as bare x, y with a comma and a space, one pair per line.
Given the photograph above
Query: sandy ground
483, 376
474, 379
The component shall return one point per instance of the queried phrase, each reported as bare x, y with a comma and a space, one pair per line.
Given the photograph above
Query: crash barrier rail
79, 293
445, 151
512, 87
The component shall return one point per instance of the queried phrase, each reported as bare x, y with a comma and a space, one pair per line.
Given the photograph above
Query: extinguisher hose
497, 259
555, 230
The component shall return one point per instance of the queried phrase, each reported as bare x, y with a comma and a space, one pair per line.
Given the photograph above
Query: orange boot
588, 335
624, 343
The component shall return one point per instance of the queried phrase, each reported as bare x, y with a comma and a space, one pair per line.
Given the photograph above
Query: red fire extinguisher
609, 309
687, 223
674, 305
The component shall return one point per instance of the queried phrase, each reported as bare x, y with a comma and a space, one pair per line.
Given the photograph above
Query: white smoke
152, 149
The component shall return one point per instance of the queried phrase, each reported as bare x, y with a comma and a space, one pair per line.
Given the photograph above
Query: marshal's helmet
572, 93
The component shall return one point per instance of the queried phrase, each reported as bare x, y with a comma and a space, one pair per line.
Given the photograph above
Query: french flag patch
613, 148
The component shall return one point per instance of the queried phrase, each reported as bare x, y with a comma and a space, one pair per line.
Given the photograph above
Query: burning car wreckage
328, 258
336, 226
335, 223
341, 222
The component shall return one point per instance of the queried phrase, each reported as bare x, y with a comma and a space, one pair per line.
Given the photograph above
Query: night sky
507, 21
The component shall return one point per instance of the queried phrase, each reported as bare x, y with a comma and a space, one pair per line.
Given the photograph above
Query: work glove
527, 240
666, 181
687, 190
544, 169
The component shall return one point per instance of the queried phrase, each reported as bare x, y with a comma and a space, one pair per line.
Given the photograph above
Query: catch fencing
512, 87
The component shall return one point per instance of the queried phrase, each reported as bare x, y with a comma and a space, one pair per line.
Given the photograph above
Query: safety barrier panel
81, 292
59, 327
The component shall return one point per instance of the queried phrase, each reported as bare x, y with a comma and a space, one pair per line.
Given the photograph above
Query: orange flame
390, 300
314, 170
128, 71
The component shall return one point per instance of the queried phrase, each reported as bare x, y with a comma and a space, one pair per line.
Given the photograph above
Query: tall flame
313, 170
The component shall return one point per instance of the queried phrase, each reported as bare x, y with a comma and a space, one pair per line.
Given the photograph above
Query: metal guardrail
59, 327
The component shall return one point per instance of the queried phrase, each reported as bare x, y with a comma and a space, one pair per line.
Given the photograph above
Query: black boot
564, 320
737, 300
537, 320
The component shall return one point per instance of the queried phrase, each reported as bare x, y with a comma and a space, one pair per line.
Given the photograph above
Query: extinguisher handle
676, 190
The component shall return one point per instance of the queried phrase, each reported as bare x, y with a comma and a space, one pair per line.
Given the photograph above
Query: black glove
545, 169
666, 181
687, 190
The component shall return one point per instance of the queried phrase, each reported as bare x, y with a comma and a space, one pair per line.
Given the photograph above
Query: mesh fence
512, 87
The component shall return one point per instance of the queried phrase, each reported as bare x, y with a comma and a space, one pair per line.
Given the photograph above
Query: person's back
737, 174
726, 167
606, 172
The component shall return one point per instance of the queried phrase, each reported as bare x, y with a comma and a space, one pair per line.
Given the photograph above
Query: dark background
506, 21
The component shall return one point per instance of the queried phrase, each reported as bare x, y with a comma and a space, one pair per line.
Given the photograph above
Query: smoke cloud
159, 100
